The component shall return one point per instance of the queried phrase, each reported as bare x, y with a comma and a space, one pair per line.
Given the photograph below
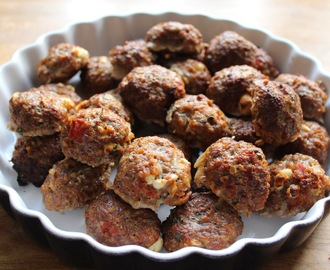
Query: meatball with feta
194, 73
150, 91
71, 184
313, 140
63, 90
176, 37
62, 62
131, 54
205, 221
95, 136
39, 112
110, 100
197, 120
229, 49
276, 112
97, 76
230, 89
153, 171
113, 222
235, 171
297, 182
312, 95
34, 156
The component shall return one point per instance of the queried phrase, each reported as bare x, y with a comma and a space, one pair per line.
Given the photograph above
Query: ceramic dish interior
267, 234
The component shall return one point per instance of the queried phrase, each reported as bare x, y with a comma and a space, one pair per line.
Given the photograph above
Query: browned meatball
242, 129
276, 112
312, 95
62, 62
313, 140
97, 76
38, 112
110, 100
95, 136
197, 120
235, 171
113, 222
131, 54
149, 92
175, 37
71, 184
153, 171
194, 73
230, 89
62, 89
229, 49
34, 156
205, 221
297, 182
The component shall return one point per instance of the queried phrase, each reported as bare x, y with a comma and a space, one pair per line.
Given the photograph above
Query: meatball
242, 129
276, 112
110, 100
179, 143
95, 136
153, 171
134, 53
175, 37
113, 222
197, 120
38, 112
71, 184
229, 49
149, 92
194, 73
63, 90
230, 89
235, 171
97, 76
205, 221
34, 156
312, 95
62, 62
297, 182
312, 140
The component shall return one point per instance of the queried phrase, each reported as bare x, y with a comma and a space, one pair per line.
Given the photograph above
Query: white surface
98, 37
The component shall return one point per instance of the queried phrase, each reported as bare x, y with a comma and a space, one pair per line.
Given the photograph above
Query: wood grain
305, 22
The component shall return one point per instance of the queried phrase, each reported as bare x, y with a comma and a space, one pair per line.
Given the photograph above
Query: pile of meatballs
213, 130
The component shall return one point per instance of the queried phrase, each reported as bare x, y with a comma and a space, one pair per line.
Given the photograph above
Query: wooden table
305, 22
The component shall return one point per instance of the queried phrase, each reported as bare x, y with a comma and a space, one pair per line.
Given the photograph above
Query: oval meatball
235, 171
62, 62
34, 156
110, 100
131, 54
149, 92
313, 140
95, 136
197, 120
175, 37
63, 90
205, 221
194, 73
71, 184
38, 112
97, 76
312, 95
230, 89
276, 112
297, 182
229, 49
153, 171
113, 222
